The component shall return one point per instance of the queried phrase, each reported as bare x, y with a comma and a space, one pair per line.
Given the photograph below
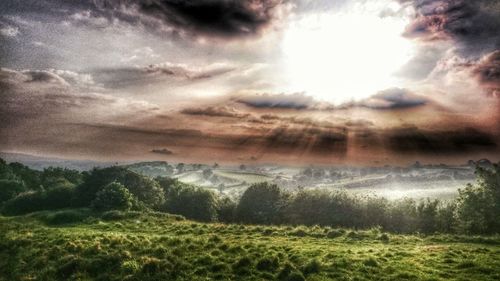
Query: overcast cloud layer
219, 80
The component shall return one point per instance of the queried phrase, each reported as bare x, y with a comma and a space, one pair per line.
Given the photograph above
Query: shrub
113, 215
113, 196
67, 217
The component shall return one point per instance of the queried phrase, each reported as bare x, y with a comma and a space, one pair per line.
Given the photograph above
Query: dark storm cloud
412, 139
218, 18
283, 101
473, 24
214, 111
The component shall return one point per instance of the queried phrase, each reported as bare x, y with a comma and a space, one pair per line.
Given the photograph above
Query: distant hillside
40, 163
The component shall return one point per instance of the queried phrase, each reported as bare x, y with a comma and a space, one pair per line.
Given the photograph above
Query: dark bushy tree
478, 207
262, 203
32, 201
10, 189
189, 201
427, 211
145, 189
375, 211
402, 216
30, 177
113, 196
310, 208
226, 209
51, 174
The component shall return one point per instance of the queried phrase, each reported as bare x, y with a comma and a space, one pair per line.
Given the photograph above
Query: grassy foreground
79, 245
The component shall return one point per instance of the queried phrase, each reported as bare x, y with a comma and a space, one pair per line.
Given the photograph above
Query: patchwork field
80, 245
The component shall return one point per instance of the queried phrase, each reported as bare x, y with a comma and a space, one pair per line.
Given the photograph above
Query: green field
81, 245
248, 177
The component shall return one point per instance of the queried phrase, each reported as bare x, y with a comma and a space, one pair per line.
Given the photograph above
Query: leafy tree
56, 174
375, 211
478, 207
427, 215
30, 177
10, 188
180, 168
403, 216
113, 196
226, 209
5, 170
192, 202
145, 189
207, 173
31, 201
345, 210
445, 217
310, 208
59, 197
308, 172
25, 203
262, 203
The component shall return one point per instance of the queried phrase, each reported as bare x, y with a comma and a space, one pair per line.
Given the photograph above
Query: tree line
475, 211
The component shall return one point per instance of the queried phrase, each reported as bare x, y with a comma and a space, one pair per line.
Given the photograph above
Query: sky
295, 82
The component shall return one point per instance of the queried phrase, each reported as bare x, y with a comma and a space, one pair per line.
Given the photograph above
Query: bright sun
345, 56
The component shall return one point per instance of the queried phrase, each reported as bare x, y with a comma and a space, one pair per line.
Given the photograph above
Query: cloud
279, 101
89, 18
304, 140
156, 73
163, 151
206, 18
472, 24
214, 111
487, 72
8, 30
413, 139
42, 95
422, 63
394, 98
